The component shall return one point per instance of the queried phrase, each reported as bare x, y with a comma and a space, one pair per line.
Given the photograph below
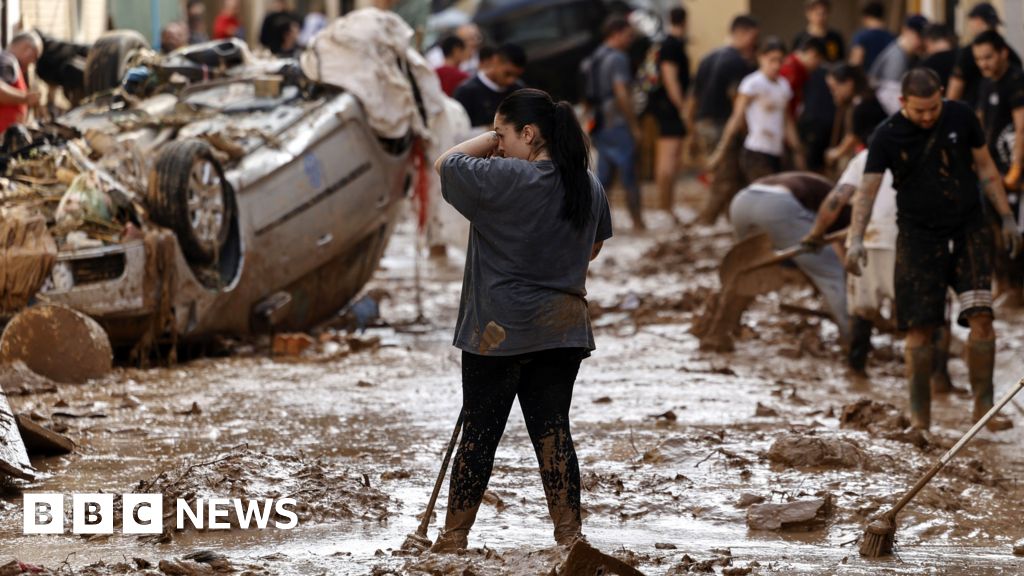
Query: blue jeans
787, 221
616, 150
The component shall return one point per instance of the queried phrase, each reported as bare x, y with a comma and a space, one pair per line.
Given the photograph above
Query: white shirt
881, 231
766, 114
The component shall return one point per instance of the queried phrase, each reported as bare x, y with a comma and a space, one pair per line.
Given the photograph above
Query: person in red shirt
450, 73
15, 96
227, 24
797, 68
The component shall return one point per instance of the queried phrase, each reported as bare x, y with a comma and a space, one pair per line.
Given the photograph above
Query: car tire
189, 194
106, 64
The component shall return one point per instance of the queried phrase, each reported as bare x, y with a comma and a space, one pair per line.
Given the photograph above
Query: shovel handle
425, 522
783, 255
957, 447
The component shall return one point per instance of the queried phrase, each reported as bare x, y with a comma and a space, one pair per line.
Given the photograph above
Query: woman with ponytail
538, 218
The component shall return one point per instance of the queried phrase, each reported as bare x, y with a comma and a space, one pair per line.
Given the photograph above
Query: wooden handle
957, 447
783, 255
425, 522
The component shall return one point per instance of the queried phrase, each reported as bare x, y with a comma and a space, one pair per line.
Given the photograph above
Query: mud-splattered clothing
524, 286
543, 382
937, 193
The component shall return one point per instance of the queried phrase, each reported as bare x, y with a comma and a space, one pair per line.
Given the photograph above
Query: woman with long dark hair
538, 218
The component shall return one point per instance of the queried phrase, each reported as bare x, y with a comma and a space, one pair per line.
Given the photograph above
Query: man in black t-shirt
714, 90
1001, 109
937, 153
966, 79
668, 105
940, 45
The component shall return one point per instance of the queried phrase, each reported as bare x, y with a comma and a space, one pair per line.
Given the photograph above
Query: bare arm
991, 180
11, 95
596, 250
856, 55
1018, 139
736, 123
830, 209
863, 204
481, 146
624, 100
670, 77
794, 143
956, 88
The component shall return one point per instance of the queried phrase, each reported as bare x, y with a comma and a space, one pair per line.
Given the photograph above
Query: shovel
755, 253
418, 541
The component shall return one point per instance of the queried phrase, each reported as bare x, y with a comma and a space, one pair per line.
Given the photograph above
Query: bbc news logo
144, 513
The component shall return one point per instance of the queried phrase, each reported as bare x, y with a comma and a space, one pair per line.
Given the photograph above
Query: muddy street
766, 460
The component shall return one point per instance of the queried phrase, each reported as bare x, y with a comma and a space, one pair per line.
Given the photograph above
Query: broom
880, 533
418, 540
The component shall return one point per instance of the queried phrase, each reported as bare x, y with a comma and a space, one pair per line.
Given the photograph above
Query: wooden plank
41, 440
13, 456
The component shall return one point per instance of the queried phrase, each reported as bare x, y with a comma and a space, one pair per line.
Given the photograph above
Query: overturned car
209, 193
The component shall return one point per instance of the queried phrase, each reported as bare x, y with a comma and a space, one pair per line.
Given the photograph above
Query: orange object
1012, 178
11, 114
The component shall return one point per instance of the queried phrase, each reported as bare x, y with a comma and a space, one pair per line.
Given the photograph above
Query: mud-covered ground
676, 445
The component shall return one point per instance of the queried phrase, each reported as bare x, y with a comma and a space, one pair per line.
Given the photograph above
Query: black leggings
543, 381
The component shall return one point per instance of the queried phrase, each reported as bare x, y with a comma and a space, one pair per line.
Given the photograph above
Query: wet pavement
675, 445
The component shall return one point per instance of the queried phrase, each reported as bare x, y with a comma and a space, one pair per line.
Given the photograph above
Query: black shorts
928, 265
670, 124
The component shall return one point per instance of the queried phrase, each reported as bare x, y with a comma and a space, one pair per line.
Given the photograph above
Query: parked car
259, 200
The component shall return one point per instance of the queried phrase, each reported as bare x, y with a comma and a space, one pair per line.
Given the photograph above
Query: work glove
813, 242
856, 257
1011, 235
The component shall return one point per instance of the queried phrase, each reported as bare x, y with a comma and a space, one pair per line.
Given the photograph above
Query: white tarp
364, 53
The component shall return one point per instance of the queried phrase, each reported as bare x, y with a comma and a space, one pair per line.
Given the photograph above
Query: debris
664, 546
669, 415
1018, 548
195, 410
84, 201
737, 571
494, 500
59, 343
41, 440
364, 384
763, 411
585, 559
362, 344
27, 255
872, 416
17, 380
603, 400
747, 499
798, 515
805, 450
13, 457
291, 344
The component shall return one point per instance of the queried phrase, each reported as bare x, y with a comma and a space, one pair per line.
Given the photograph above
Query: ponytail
570, 153
566, 144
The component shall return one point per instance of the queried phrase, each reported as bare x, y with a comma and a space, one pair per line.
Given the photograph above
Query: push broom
881, 531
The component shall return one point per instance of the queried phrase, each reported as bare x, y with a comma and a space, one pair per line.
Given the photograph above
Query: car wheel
106, 64
188, 194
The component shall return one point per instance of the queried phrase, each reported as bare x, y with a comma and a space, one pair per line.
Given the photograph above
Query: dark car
557, 36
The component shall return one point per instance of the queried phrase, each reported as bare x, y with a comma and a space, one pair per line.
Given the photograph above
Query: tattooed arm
863, 203
991, 180
829, 212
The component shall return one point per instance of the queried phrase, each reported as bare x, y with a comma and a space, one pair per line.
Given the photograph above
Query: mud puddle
675, 445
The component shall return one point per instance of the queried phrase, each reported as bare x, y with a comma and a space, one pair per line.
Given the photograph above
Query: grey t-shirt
524, 286
612, 66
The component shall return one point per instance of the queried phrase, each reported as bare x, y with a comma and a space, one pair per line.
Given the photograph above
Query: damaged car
209, 192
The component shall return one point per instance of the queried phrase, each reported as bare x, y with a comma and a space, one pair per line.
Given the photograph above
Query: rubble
58, 343
800, 450
798, 515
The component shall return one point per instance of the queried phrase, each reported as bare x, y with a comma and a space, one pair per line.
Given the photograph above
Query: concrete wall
139, 15
62, 19
709, 24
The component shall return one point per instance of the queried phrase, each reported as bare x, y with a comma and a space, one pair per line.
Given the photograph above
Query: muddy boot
981, 360
860, 344
455, 536
919, 369
940, 380
559, 472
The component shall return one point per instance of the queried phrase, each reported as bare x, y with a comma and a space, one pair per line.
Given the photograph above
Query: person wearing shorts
668, 106
937, 153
